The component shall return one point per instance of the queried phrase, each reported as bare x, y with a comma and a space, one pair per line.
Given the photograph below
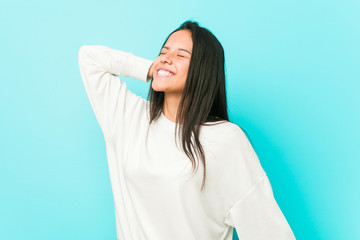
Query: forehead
180, 39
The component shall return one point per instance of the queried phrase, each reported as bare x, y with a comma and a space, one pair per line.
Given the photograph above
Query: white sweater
156, 195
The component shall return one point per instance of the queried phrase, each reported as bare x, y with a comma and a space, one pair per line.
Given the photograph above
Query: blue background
292, 83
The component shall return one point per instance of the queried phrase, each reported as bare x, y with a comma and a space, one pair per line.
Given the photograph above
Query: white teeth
164, 73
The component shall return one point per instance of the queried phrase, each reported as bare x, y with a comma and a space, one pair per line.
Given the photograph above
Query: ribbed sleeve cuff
138, 68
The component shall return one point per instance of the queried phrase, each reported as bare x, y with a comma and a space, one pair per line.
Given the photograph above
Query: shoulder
229, 153
225, 132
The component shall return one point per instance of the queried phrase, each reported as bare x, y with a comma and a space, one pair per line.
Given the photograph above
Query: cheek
185, 68
156, 61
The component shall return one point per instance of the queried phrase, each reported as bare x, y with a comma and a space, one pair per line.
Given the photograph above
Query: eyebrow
181, 49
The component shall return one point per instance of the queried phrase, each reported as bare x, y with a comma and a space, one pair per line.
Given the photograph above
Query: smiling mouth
164, 73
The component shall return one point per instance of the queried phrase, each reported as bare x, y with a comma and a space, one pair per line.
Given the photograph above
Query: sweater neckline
168, 121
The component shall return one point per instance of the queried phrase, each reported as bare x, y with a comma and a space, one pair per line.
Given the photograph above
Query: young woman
179, 168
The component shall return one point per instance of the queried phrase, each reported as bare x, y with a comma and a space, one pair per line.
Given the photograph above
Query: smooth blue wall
293, 84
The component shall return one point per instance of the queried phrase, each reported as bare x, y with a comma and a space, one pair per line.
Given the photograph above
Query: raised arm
109, 97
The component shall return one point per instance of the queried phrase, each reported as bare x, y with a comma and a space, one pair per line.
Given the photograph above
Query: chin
157, 88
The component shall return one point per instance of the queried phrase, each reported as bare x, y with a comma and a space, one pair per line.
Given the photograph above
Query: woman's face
172, 65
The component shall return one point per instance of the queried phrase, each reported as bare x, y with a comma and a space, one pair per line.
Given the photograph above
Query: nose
166, 58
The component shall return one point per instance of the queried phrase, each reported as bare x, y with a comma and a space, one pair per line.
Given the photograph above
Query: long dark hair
204, 95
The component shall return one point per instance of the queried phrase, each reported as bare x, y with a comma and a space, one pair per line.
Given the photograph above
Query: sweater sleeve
257, 216
246, 193
109, 97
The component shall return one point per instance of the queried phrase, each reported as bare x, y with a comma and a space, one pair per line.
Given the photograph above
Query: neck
171, 105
